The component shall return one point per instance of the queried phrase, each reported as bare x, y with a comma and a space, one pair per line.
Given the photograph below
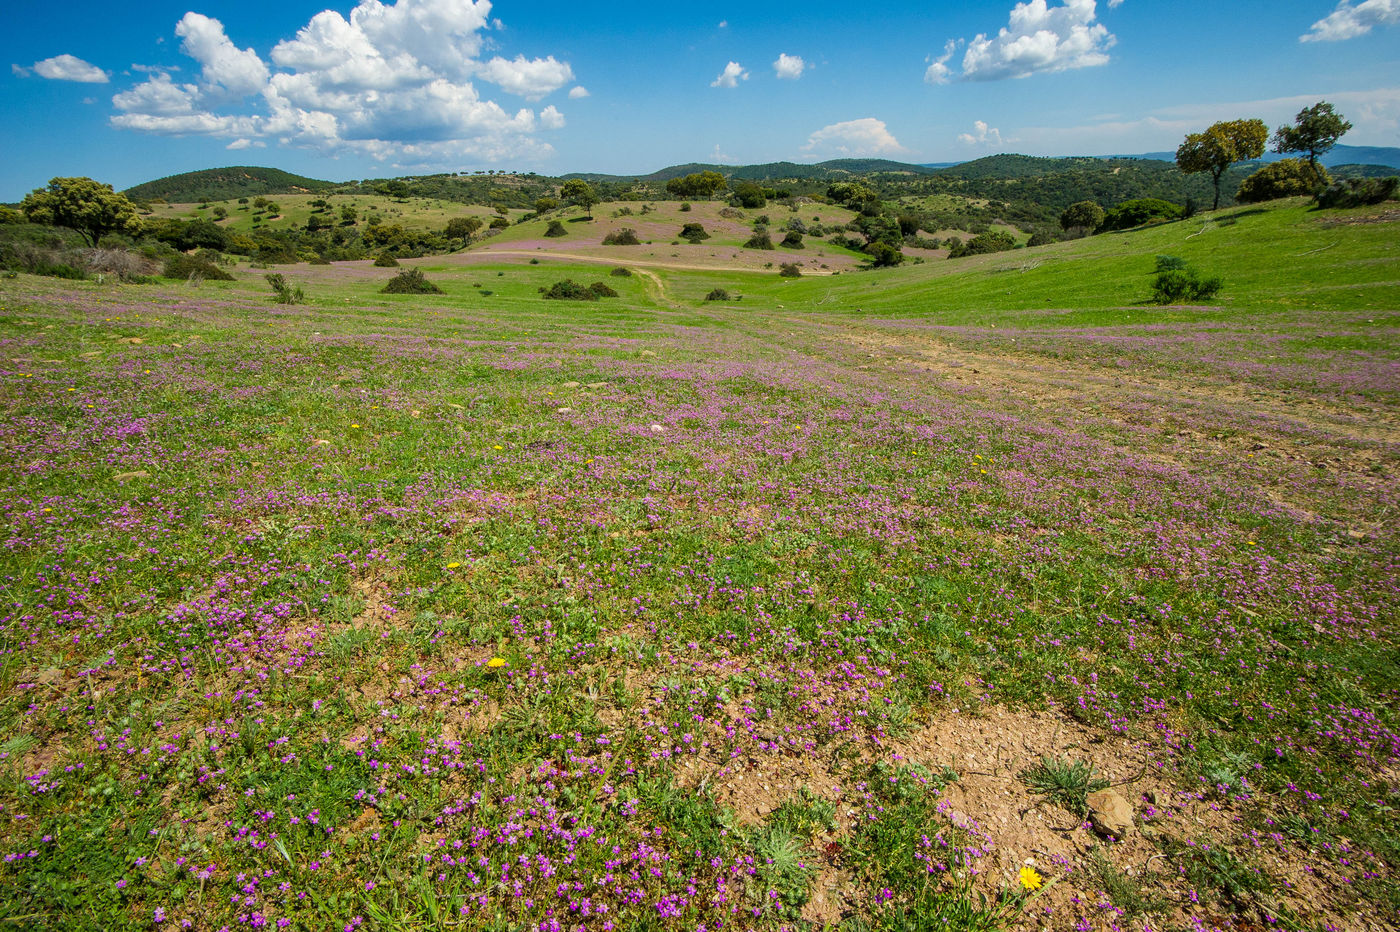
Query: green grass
1002, 483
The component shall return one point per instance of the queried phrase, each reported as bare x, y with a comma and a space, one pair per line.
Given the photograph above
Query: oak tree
1220, 146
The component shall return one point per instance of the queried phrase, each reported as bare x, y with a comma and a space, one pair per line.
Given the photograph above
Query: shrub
1041, 238
793, 240
601, 290
1169, 264
982, 243
1284, 178
120, 263
760, 240
1358, 192
694, 232
183, 266
1138, 212
717, 294
685, 207
1085, 215
556, 229
789, 270
283, 291
884, 255
569, 290
499, 223
731, 213
1174, 286
620, 272
410, 281
386, 261
623, 237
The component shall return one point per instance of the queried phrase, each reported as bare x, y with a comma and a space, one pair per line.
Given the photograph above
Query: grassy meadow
822, 607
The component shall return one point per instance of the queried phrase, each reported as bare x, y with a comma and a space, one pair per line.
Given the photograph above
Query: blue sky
129, 92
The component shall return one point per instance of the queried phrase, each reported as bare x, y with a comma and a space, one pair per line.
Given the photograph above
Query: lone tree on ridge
1221, 146
1315, 130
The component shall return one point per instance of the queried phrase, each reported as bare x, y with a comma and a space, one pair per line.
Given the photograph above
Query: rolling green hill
219, 184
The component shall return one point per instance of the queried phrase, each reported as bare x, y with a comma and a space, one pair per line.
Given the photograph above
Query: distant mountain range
1340, 155
251, 181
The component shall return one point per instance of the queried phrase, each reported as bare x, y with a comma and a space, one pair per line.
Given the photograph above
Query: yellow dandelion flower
1030, 879
495, 663
498, 447
354, 425
453, 566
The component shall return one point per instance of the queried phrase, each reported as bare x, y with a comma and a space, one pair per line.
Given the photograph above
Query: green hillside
218, 184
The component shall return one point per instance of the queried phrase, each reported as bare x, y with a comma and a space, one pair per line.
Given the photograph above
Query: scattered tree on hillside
544, 205
696, 184
90, 207
462, 228
1315, 131
749, 195
853, 194
1086, 215
577, 191
1221, 146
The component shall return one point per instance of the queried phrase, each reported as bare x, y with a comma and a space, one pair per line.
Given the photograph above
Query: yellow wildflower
354, 425
498, 447
495, 663
453, 566
1030, 879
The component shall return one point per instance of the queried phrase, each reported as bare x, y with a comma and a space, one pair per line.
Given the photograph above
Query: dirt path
616, 260
1296, 437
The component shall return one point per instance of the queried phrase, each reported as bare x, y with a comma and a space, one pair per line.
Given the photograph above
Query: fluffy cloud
68, 68
578, 93
938, 71
224, 67
789, 67
854, 138
1348, 21
394, 81
732, 74
531, 79
1038, 39
985, 135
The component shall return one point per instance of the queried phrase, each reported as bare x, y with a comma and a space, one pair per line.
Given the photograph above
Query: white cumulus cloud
578, 93
528, 78
393, 81
1349, 20
984, 135
732, 74
224, 66
1038, 39
68, 68
789, 67
854, 138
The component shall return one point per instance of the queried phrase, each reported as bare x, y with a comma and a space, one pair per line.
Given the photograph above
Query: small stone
658, 429
647, 352
564, 410
1356, 535
596, 385
50, 677
570, 385
1110, 814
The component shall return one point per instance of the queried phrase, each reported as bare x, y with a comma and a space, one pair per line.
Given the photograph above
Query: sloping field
826, 607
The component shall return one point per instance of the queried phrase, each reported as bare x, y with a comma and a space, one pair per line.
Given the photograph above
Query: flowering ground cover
484, 612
